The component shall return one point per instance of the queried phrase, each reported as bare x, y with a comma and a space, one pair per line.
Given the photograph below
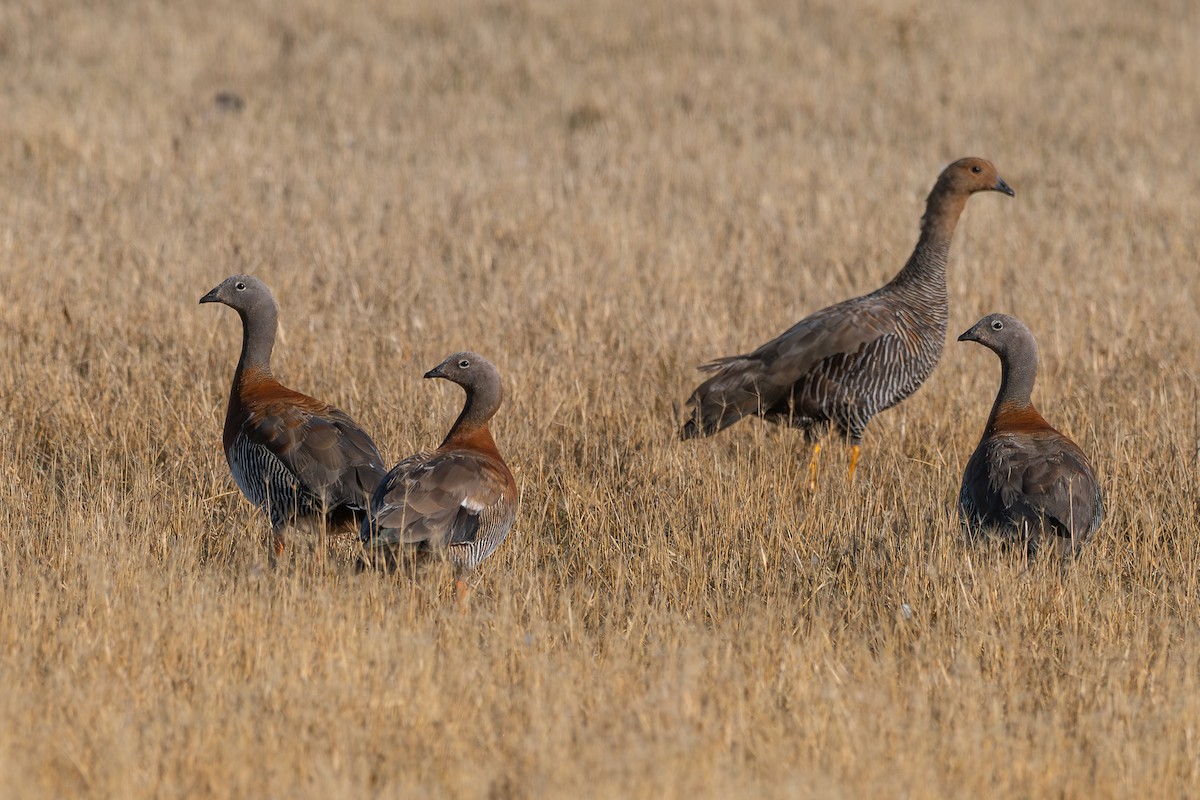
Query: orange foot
275, 548
854, 451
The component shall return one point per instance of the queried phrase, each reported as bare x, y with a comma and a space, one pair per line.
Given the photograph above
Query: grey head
244, 293
471, 371
259, 312
1004, 335
1013, 342
481, 381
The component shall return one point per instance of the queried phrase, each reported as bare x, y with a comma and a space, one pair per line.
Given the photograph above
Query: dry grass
599, 197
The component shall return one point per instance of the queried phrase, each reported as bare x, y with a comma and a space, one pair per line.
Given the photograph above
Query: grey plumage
846, 363
1026, 481
436, 503
458, 501
267, 483
291, 455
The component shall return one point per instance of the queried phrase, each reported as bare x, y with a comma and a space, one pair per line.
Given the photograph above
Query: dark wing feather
1031, 481
767, 377
332, 457
435, 499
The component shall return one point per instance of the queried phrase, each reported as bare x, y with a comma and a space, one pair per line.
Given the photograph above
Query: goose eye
976, 169
464, 364
997, 325
241, 287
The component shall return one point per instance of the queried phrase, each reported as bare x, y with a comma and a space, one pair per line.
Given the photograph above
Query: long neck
1018, 372
258, 339
471, 425
927, 264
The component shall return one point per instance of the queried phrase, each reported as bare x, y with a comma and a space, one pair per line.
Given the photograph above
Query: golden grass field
599, 197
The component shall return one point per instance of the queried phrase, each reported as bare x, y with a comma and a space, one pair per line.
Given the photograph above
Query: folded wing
437, 500
331, 457
1045, 480
819, 348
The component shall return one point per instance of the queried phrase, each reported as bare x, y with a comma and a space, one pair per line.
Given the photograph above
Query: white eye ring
997, 325
464, 364
241, 287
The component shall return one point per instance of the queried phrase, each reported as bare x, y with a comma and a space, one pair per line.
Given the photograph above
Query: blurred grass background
598, 197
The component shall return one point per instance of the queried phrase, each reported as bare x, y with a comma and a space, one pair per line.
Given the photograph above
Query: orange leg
854, 451
275, 547
463, 590
812, 468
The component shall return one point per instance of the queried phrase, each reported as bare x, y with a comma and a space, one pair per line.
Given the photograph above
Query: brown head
1010, 339
969, 175
949, 196
481, 381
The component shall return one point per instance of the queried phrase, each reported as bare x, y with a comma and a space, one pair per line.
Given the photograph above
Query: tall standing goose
291, 455
1025, 480
846, 363
461, 499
